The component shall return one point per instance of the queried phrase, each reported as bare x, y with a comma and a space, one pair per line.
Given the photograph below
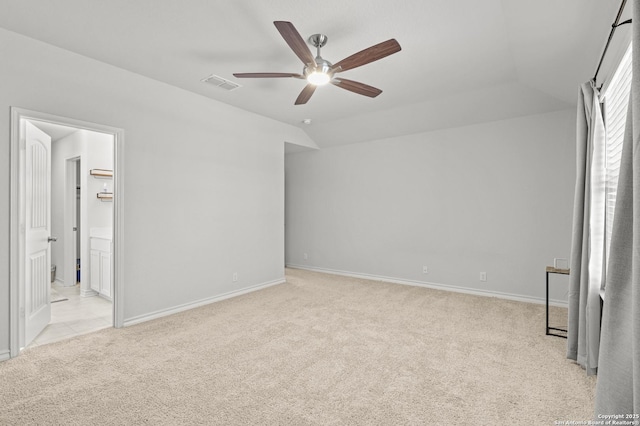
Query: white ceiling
56, 131
462, 62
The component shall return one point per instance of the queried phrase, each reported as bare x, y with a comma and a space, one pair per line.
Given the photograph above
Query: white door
37, 231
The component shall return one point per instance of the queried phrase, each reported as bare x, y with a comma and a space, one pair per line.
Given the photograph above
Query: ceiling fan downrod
318, 41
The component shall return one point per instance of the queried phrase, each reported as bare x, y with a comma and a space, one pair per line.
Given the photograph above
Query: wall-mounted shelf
105, 196
101, 173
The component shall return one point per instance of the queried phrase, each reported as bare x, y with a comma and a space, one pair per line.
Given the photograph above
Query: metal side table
552, 270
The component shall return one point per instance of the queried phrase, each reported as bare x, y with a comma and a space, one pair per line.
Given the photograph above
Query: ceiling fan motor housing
324, 67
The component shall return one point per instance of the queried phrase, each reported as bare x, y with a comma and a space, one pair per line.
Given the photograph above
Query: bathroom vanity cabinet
101, 255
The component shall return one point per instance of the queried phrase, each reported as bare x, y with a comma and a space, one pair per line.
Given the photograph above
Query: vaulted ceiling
462, 62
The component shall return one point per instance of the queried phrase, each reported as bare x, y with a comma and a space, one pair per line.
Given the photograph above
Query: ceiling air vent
220, 82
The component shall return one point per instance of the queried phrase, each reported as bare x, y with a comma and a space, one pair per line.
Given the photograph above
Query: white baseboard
5, 355
436, 286
184, 307
88, 292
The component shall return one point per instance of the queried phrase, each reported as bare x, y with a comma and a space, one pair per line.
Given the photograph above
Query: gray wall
495, 198
204, 182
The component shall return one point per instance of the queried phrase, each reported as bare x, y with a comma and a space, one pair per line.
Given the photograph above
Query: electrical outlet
235, 277
425, 270
483, 276
306, 256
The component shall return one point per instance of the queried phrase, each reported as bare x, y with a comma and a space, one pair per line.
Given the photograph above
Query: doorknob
52, 239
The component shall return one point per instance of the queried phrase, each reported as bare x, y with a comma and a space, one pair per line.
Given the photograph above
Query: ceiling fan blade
295, 42
265, 75
373, 53
305, 95
356, 87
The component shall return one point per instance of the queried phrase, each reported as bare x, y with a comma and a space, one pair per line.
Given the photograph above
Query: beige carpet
320, 349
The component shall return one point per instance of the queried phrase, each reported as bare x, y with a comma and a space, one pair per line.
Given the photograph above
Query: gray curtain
618, 386
587, 249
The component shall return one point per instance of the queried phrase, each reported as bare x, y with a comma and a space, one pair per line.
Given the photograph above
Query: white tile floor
77, 315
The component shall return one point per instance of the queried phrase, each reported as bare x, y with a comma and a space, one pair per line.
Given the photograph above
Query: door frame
16, 235
71, 203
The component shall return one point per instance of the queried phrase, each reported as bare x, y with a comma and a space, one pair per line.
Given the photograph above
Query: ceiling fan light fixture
319, 75
318, 78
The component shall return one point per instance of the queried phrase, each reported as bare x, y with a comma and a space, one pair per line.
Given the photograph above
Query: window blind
616, 101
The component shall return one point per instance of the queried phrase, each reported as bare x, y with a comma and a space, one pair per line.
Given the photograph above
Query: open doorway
80, 293
66, 172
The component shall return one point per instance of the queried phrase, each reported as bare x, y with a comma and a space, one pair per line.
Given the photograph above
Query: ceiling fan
318, 71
